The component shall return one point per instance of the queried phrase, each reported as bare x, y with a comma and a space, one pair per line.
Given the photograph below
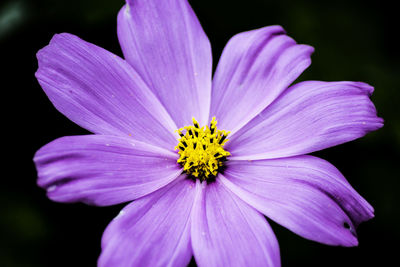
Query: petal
255, 67
101, 92
165, 43
228, 232
103, 170
309, 116
153, 230
305, 194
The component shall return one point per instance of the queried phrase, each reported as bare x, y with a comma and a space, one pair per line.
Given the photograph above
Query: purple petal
309, 116
165, 43
153, 230
255, 67
103, 170
101, 92
228, 232
305, 194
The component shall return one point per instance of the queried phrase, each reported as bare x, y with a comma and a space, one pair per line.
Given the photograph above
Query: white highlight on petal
120, 214
51, 188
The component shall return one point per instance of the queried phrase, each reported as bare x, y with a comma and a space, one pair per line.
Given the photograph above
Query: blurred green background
354, 40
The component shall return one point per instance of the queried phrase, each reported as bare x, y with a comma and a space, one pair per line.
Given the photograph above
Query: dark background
354, 40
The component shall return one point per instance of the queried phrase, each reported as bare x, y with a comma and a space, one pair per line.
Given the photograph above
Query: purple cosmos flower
204, 159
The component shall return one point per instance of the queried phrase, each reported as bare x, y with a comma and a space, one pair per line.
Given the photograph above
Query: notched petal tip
54, 41
308, 50
369, 89
275, 29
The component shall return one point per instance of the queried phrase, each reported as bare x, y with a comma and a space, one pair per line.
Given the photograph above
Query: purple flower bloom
200, 190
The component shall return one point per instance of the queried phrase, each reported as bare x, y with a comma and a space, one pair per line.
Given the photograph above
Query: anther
222, 139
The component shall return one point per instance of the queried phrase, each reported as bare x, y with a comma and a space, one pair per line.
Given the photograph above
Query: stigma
201, 150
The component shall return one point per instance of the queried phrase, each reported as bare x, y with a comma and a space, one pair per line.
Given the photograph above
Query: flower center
201, 150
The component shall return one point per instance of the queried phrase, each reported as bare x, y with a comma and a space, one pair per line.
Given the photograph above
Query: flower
204, 159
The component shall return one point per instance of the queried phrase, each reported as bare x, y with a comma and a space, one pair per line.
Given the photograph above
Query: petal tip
54, 40
278, 29
365, 87
381, 122
310, 49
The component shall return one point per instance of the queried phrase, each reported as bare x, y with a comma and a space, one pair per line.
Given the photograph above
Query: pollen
201, 150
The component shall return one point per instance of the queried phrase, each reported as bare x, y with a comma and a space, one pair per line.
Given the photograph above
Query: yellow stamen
201, 149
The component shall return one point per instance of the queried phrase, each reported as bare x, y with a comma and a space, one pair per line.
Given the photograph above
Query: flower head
201, 150
200, 189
